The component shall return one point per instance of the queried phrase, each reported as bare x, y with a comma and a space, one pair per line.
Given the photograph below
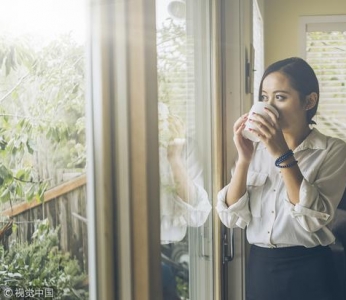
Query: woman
285, 190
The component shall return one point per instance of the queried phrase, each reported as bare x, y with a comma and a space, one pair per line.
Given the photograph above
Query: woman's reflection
184, 201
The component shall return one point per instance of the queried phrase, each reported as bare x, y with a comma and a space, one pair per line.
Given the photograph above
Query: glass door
184, 108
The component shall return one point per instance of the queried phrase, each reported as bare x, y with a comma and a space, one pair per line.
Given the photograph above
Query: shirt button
268, 232
274, 190
272, 211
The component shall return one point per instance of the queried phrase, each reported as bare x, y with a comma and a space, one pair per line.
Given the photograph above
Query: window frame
321, 22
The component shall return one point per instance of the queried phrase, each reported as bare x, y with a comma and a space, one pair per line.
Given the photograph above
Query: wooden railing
64, 206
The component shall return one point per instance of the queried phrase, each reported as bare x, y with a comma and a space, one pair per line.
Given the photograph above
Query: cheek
284, 113
291, 115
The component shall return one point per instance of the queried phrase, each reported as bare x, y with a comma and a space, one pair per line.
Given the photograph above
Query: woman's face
278, 92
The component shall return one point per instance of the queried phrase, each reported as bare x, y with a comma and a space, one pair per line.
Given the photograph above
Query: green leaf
5, 196
30, 193
30, 146
3, 144
5, 173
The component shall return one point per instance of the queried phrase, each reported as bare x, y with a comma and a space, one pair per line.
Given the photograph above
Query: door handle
205, 242
227, 245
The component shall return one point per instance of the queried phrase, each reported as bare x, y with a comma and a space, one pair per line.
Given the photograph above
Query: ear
311, 100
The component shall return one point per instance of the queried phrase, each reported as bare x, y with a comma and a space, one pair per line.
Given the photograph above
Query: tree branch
11, 90
17, 84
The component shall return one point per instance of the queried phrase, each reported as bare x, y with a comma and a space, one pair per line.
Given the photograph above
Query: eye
264, 98
280, 97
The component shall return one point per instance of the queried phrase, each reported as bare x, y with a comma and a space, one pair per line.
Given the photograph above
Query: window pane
325, 51
42, 144
183, 50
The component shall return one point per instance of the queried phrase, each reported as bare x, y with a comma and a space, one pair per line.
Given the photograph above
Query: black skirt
293, 273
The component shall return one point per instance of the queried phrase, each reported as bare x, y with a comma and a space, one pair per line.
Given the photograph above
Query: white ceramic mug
258, 108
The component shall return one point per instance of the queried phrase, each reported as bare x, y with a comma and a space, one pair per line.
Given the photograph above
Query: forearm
292, 178
185, 187
237, 186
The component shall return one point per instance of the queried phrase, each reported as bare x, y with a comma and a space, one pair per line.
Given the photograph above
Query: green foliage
173, 54
42, 114
42, 264
182, 288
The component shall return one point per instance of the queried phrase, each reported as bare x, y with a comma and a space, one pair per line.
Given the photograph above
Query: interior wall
281, 24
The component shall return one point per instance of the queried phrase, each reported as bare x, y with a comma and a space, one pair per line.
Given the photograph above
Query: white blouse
177, 214
271, 219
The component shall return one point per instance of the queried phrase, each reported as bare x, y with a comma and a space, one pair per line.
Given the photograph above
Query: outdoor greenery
172, 66
33, 267
42, 136
182, 288
42, 113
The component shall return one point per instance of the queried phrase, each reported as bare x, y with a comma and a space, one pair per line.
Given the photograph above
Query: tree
42, 118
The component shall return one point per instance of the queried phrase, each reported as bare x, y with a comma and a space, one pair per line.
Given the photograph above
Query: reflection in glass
184, 202
184, 141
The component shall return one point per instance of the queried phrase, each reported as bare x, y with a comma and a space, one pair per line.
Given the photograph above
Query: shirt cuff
196, 215
308, 202
237, 214
301, 210
310, 212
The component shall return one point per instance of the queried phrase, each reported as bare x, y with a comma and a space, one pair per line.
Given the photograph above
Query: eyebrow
278, 91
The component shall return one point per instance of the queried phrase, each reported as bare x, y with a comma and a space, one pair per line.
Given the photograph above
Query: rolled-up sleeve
196, 215
238, 214
319, 200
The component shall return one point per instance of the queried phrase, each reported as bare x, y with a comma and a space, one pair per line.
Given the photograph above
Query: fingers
239, 129
268, 130
262, 123
240, 123
176, 126
272, 116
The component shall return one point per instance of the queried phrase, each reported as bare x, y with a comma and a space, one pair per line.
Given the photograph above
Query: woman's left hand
270, 133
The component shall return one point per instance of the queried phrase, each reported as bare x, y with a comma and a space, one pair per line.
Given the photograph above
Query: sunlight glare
43, 18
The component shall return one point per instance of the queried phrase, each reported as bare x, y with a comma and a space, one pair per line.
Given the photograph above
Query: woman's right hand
244, 146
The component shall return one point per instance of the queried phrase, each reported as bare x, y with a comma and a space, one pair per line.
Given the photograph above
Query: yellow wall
281, 23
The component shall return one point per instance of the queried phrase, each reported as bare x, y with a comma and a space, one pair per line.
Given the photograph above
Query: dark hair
302, 78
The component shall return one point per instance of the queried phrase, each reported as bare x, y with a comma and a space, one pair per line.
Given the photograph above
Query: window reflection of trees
188, 206
180, 208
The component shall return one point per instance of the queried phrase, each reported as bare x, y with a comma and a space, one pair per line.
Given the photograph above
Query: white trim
310, 23
335, 26
235, 101
258, 43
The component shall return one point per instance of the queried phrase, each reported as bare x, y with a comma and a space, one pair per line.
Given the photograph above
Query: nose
271, 100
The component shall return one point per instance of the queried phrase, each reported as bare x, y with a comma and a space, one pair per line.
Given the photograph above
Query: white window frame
313, 23
258, 43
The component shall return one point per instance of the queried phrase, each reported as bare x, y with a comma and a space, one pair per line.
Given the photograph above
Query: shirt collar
315, 140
